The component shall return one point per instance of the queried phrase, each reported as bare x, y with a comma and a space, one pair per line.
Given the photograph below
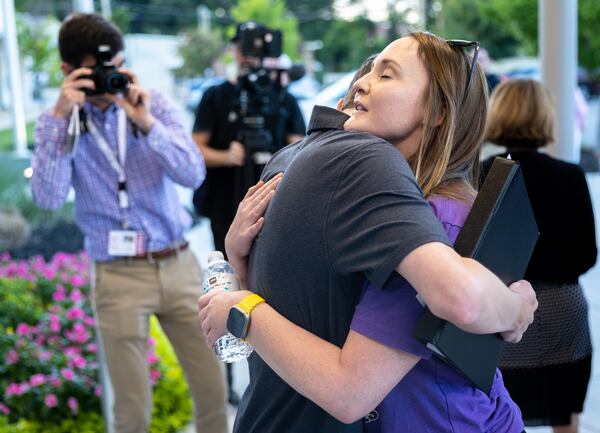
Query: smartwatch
238, 321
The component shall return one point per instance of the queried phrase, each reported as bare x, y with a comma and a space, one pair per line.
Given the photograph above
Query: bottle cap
214, 256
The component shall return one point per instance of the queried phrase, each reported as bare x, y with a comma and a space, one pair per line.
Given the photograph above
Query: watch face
237, 322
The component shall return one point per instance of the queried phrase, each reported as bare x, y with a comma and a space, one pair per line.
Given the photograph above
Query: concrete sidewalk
201, 242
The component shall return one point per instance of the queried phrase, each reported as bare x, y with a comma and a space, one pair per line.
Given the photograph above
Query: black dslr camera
105, 75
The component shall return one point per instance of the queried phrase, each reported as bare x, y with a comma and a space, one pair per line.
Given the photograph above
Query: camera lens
117, 82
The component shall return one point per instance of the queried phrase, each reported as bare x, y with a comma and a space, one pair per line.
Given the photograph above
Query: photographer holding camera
240, 124
122, 148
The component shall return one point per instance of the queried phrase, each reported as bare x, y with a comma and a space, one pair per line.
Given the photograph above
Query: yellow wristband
250, 302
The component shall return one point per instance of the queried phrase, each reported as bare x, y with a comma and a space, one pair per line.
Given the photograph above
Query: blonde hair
521, 114
447, 160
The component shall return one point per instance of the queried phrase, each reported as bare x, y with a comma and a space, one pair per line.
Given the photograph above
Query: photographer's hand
136, 103
71, 92
236, 154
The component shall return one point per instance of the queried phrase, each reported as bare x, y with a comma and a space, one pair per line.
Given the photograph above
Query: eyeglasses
459, 43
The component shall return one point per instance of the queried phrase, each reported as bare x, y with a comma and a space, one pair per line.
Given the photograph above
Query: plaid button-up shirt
154, 163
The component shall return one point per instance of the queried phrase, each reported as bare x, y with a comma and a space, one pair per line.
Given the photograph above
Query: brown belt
156, 256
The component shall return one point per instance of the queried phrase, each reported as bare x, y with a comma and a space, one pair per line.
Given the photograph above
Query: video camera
105, 75
260, 97
258, 41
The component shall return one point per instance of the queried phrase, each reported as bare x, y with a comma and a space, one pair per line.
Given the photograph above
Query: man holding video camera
122, 148
240, 124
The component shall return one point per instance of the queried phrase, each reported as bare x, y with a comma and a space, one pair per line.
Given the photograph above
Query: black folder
500, 232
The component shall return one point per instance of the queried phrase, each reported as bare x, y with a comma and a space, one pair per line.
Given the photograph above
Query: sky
376, 10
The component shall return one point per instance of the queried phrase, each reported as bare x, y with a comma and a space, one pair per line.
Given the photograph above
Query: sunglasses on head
462, 44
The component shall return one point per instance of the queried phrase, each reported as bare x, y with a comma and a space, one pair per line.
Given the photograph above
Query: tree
589, 40
272, 14
523, 15
36, 43
478, 20
348, 43
198, 51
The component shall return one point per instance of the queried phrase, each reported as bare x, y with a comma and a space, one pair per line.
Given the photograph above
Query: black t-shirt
562, 207
218, 112
348, 208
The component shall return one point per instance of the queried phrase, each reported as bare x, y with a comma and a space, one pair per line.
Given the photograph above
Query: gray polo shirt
348, 209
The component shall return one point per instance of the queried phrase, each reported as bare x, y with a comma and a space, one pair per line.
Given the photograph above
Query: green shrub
172, 409
47, 351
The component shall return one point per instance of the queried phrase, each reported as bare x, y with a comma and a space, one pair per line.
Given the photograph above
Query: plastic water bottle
219, 274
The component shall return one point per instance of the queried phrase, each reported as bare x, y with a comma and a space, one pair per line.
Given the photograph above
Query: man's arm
51, 162
160, 122
467, 294
292, 138
347, 382
234, 156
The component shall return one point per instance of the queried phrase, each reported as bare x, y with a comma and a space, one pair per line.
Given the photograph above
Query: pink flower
55, 382
92, 348
12, 357
72, 351
73, 405
4, 257
22, 270
75, 313
151, 342
23, 329
89, 321
54, 323
154, 376
15, 389
55, 327
59, 296
152, 358
76, 295
44, 355
4, 409
98, 391
67, 374
37, 380
78, 334
79, 362
49, 273
77, 280
50, 400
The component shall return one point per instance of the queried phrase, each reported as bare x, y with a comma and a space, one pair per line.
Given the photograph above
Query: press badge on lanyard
122, 243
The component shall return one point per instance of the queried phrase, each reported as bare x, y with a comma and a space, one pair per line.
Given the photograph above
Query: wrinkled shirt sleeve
51, 162
173, 144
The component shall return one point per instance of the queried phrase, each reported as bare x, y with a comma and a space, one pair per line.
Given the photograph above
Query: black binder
500, 232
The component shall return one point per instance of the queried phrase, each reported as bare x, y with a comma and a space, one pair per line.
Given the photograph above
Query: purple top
432, 397
154, 163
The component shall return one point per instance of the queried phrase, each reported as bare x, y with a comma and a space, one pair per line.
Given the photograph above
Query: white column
7, 13
203, 18
106, 9
557, 24
85, 6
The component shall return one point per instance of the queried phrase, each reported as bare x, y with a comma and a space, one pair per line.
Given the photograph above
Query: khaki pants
126, 293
